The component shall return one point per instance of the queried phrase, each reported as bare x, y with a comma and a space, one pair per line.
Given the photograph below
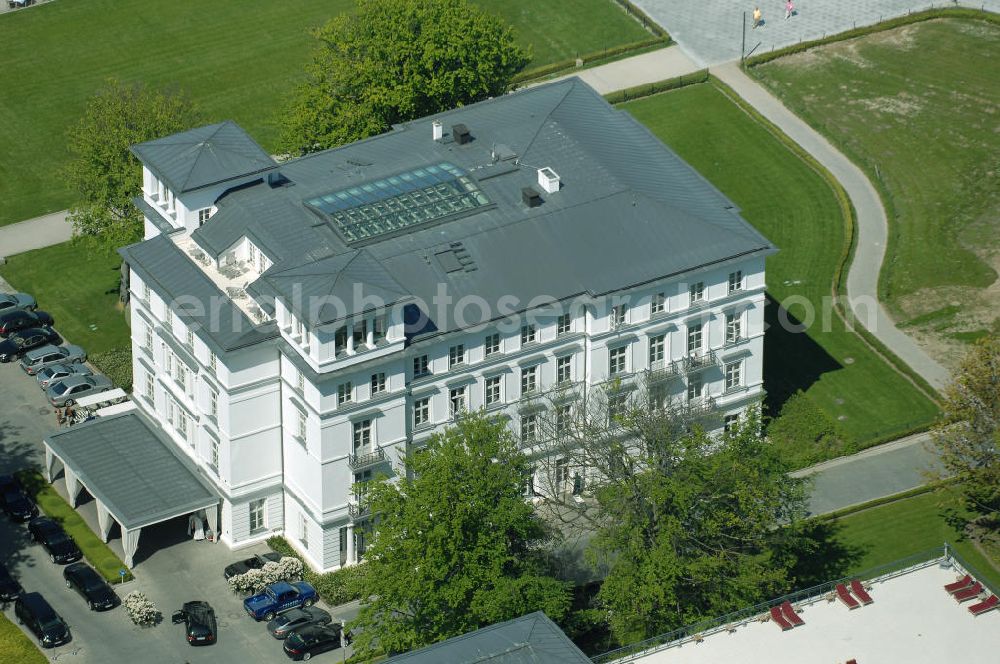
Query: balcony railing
358, 510
700, 406
358, 461
662, 369
700, 360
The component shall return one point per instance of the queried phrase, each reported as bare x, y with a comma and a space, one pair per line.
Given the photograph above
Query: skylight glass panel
407, 199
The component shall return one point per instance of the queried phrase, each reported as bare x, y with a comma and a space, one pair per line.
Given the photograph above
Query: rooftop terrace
912, 619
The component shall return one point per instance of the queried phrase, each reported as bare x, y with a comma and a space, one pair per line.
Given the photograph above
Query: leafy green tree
105, 174
396, 60
457, 546
968, 438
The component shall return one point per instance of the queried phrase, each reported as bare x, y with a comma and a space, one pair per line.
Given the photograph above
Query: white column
350, 545
130, 543
212, 514
50, 460
370, 333
350, 338
103, 520
72, 485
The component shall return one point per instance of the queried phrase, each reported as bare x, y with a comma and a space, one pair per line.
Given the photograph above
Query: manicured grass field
15, 646
890, 532
97, 553
796, 209
236, 58
916, 107
79, 288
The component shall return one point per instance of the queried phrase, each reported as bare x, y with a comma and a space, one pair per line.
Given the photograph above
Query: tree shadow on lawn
792, 359
820, 555
15, 455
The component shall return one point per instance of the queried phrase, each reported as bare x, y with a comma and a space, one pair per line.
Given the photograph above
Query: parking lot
170, 568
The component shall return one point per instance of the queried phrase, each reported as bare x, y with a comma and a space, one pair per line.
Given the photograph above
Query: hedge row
869, 29
334, 588
649, 89
116, 364
562, 66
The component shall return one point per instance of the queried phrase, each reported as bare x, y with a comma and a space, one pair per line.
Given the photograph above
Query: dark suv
62, 549
200, 627
10, 589
35, 613
18, 506
19, 319
92, 587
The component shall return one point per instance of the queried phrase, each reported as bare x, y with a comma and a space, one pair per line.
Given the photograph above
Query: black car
18, 506
35, 613
296, 619
309, 641
256, 562
91, 586
62, 549
10, 589
200, 627
12, 321
22, 341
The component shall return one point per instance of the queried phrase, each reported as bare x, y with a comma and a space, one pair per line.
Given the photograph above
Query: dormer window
203, 215
256, 259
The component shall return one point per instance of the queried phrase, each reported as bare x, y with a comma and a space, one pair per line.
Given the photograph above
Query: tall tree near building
395, 60
968, 437
457, 546
104, 173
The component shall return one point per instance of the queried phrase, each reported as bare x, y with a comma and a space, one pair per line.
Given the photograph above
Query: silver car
39, 358
56, 372
68, 390
12, 301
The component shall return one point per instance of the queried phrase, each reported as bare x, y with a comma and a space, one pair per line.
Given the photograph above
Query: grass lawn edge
15, 646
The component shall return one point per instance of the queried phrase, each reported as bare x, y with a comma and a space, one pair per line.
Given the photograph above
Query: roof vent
438, 130
461, 134
548, 180
531, 197
276, 179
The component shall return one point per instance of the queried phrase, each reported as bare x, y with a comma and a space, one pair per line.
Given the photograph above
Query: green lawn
883, 534
15, 646
236, 59
97, 553
796, 209
916, 107
79, 288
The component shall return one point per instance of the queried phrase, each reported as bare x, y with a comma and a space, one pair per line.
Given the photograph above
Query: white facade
285, 430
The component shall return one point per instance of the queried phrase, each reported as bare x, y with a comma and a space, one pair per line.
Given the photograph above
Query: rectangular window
491, 345
420, 366
730, 421
528, 334
362, 436
456, 355
529, 483
734, 375
203, 215
456, 397
734, 328
214, 453
694, 388
697, 292
304, 531
150, 387
529, 428
564, 369
360, 329
492, 391
300, 382
619, 313
213, 364
145, 292
183, 425
659, 304
736, 281
564, 325
616, 360
213, 403
256, 515
563, 417
378, 383
168, 320
562, 475
694, 338
361, 481
658, 397
656, 350
301, 424
340, 340
147, 338
529, 380
345, 393
421, 412
189, 340
379, 329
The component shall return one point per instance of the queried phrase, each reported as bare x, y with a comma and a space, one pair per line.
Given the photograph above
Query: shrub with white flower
140, 609
291, 568
255, 580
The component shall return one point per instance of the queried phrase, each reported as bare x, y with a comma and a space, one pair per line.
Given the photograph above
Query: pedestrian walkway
881, 471
659, 65
712, 32
35, 233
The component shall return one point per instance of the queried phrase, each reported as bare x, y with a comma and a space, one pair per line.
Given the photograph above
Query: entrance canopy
130, 468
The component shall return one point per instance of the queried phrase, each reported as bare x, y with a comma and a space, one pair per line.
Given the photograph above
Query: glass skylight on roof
394, 203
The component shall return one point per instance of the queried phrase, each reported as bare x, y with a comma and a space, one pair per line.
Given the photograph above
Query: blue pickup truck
278, 598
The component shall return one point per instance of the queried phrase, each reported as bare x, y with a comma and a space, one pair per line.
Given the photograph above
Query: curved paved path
35, 233
872, 226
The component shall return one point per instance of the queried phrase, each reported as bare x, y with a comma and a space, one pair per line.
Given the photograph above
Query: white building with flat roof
297, 327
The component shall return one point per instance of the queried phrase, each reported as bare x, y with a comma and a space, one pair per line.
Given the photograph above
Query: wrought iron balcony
358, 461
662, 369
700, 406
700, 360
357, 510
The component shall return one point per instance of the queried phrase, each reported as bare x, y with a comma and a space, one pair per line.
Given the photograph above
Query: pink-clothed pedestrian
789, 8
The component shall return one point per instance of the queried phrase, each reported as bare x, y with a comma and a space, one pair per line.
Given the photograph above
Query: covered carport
131, 469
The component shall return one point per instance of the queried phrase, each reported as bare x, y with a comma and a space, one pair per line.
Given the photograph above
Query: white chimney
438, 130
548, 180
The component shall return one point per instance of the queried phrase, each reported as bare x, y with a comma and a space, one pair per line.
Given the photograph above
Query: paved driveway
171, 569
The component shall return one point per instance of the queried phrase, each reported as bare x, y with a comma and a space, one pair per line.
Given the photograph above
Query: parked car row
288, 609
31, 609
